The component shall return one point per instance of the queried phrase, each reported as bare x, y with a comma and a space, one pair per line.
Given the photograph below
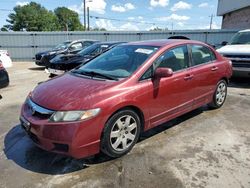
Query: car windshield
241, 38
91, 50
119, 62
62, 46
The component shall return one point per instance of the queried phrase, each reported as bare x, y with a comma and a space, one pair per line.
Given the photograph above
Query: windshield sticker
144, 51
104, 46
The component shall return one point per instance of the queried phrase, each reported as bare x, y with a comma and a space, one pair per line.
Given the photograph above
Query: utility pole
84, 13
172, 28
211, 21
88, 16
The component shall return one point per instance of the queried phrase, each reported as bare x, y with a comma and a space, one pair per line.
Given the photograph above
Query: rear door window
201, 55
177, 59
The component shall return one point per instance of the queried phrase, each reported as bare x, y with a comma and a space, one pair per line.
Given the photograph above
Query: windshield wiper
94, 74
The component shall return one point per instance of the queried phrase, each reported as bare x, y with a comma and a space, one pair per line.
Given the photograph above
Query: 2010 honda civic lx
105, 104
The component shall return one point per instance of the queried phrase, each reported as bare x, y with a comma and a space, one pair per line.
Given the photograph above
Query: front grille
61, 147
38, 111
34, 138
56, 66
38, 57
241, 64
236, 56
239, 60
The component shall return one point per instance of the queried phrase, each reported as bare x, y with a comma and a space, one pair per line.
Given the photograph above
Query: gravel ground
204, 148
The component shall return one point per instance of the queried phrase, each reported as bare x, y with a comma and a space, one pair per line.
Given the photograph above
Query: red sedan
105, 104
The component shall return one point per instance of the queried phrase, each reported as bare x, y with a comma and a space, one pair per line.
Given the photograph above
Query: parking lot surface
204, 148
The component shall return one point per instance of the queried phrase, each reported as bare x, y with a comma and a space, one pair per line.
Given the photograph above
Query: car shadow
239, 82
19, 148
37, 68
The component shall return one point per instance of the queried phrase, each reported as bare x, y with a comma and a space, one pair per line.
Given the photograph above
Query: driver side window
177, 59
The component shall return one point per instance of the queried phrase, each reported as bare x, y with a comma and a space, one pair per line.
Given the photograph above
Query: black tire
52, 75
106, 140
216, 103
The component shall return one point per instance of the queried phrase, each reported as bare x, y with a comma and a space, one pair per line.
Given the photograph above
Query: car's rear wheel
120, 134
220, 95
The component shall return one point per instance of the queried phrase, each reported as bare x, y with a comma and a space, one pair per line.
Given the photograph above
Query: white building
236, 13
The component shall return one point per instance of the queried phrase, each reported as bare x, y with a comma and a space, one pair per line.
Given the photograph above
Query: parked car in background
4, 77
238, 51
5, 59
179, 37
67, 47
105, 104
63, 63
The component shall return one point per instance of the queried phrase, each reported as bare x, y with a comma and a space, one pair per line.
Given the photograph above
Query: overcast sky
134, 14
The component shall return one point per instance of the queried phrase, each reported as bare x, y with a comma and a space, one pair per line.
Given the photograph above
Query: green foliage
159, 29
97, 29
4, 29
34, 17
68, 18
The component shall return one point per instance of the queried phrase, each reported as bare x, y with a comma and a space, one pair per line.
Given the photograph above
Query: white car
5, 59
238, 51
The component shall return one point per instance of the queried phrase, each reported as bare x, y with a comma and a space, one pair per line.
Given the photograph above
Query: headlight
51, 53
61, 116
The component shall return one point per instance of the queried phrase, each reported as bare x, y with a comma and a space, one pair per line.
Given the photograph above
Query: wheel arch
226, 79
134, 108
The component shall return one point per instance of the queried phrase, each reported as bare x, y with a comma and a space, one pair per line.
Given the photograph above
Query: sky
134, 15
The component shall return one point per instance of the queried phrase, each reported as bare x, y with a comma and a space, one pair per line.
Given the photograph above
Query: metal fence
24, 45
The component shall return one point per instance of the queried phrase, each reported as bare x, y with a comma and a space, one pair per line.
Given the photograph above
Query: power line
121, 20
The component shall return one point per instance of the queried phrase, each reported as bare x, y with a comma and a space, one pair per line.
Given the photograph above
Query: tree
32, 17
158, 29
68, 19
98, 29
4, 29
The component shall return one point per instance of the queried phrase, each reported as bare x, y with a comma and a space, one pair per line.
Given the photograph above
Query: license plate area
55, 71
25, 124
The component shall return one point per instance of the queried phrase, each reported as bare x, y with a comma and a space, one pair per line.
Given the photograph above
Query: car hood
235, 49
70, 92
50, 52
60, 58
73, 59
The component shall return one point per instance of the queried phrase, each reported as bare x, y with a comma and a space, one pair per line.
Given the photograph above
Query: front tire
220, 95
121, 133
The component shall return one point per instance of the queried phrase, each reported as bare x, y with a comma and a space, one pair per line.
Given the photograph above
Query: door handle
188, 77
214, 68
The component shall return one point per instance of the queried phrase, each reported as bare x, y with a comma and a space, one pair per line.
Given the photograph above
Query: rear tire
220, 95
121, 133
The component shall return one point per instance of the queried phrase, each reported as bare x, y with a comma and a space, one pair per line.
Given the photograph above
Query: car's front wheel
220, 95
121, 132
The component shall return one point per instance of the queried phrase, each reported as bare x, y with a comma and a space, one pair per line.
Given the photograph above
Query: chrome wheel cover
123, 133
221, 93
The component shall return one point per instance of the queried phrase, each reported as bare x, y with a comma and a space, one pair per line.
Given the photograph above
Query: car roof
81, 40
110, 42
164, 42
246, 30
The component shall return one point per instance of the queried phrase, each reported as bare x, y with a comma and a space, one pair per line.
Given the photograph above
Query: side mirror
163, 73
224, 43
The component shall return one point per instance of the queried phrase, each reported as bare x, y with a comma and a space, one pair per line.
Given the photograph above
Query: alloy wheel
221, 93
123, 133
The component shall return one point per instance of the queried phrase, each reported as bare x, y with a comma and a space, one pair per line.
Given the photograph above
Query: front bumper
241, 72
76, 139
54, 71
4, 78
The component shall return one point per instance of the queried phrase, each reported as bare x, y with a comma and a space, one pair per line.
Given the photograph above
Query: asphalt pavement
204, 148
